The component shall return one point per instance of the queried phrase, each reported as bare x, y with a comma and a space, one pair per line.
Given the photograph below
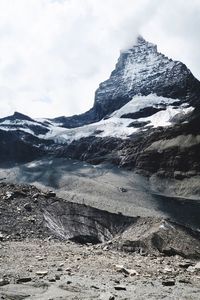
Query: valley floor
109, 188
44, 270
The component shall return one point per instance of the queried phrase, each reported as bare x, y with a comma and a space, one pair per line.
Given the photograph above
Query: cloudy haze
54, 53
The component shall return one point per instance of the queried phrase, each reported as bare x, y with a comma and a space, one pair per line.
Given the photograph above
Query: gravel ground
64, 270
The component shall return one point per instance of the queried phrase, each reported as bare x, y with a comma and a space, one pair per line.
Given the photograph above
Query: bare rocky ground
35, 269
130, 258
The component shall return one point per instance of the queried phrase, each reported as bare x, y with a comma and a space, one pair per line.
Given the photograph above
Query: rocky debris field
27, 212
47, 269
54, 249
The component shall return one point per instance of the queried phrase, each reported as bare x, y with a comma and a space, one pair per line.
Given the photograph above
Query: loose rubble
36, 263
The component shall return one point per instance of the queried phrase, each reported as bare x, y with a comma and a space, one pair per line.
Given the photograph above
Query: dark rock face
168, 151
89, 117
17, 146
92, 149
14, 149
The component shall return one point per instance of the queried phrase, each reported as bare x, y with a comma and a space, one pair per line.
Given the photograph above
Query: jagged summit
142, 70
142, 43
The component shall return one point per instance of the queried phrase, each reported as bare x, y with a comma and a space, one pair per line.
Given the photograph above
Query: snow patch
163, 118
115, 126
139, 102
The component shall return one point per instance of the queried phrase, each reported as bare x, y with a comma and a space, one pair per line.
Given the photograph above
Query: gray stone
28, 207
107, 296
168, 282
1, 237
9, 195
4, 281
42, 273
57, 277
50, 194
52, 279
120, 288
197, 266
23, 279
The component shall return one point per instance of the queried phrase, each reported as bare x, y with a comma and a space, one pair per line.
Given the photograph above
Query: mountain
145, 117
21, 138
141, 70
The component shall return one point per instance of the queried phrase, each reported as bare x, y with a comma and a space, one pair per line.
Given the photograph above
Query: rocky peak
142, 70
16, 116
141, 45
20, 116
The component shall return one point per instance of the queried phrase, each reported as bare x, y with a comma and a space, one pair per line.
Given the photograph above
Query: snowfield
117, 127
114, 126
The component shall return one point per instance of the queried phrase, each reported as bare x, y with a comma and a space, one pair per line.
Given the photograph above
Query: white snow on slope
164, 117
139, 102
118, 127
139, 67
114, 126
6, 128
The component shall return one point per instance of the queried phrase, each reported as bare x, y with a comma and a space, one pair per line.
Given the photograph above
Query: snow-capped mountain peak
142, 70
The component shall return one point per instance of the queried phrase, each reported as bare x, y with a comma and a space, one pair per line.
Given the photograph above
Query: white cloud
54, 53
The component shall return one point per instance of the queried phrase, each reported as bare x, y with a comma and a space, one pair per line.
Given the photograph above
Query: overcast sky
54, 53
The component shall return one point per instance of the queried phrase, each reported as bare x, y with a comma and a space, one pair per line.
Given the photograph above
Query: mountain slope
145, 116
